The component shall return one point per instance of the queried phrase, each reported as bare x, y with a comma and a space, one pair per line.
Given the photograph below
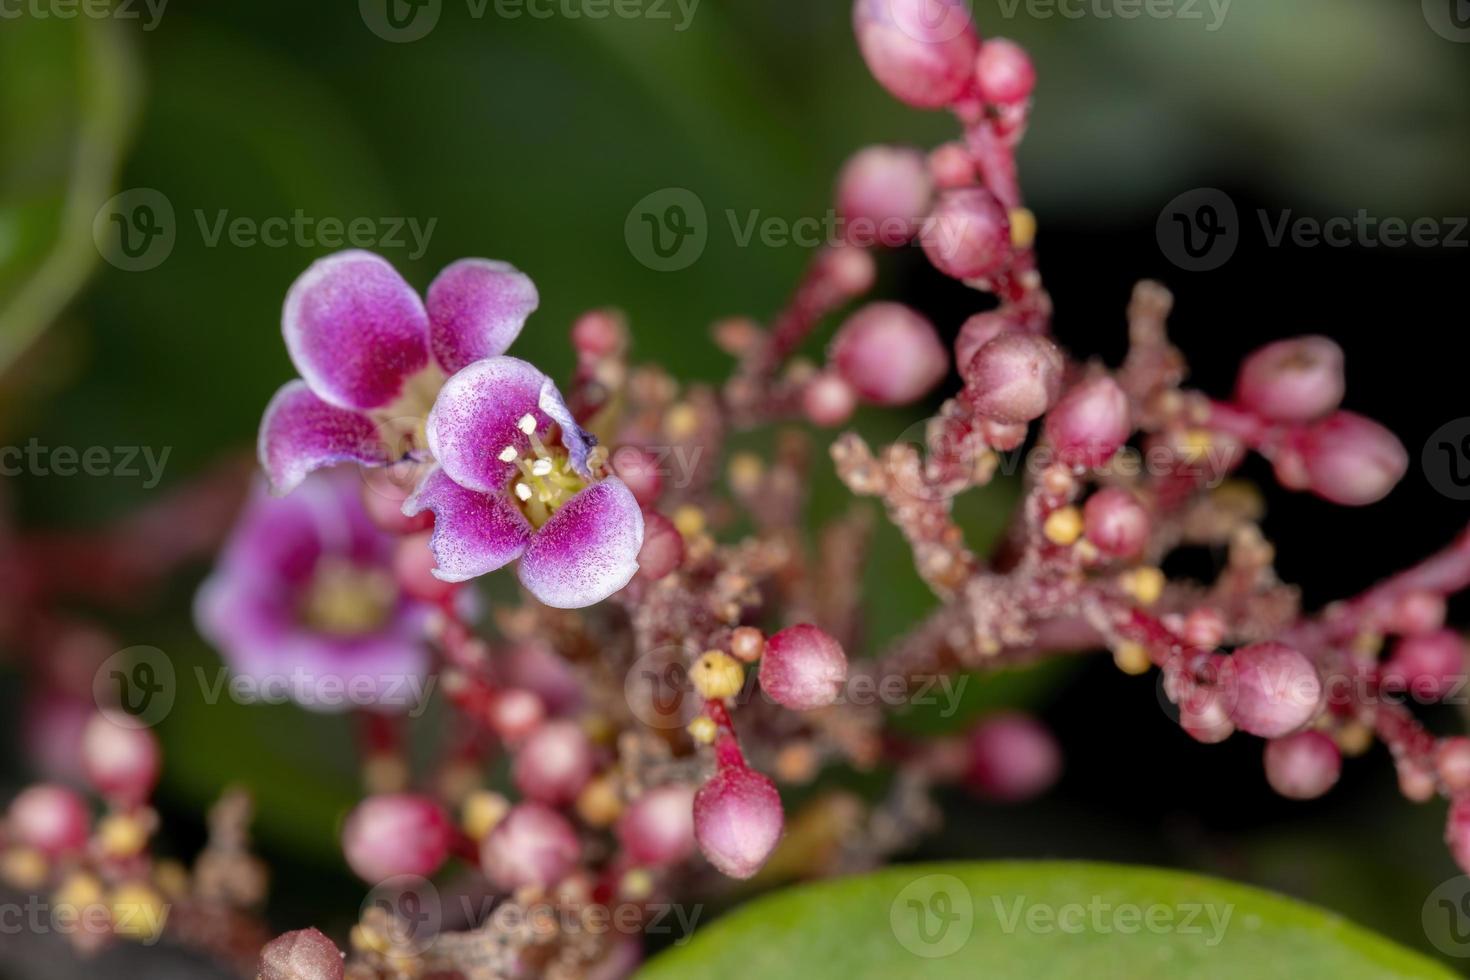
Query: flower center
348, 600
544, 480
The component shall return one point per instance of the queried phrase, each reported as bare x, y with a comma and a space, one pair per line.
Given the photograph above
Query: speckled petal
477, 308
474, 532
475, 417
300, 433
574, 438
588, 550
355, 330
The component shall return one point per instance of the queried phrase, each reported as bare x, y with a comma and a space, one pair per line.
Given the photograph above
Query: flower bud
663, 547
534, 666
1090, 423
1351, 460
533, 845
978, 331
922, 51
554, 763
1452, 763
1116, 522
1205, 719
1302, 766
883, 194
950, 165
1004, 73
1457, 831
738, 820
968, 234
599, 333
803, 668
889, 354
302, 955
396, 834
413, 568
827, 400
52, 819
1274, 689
122, 763
1014, 378
639, 469
515, 713
1428, 666
1012, 758
384, 489
1294, 380
1416, 612
658, 828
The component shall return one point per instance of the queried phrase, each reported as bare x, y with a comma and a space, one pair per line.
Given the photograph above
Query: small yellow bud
138, 912
79, 891
1195, 444
703, 730
1145, 583
598, 804
122, 835
1354, 739
682, 421
637, 884
1023, 227
689, 520
746, 471
23, 868
1132, 658
172, 878
717, 675
1063, 526
481, 812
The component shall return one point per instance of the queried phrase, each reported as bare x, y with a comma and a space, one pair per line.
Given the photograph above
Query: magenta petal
355, 329
476, 310
588, 550
300, 433
475, 417
474, 532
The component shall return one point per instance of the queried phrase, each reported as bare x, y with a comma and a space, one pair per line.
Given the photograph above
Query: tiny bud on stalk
658, 828
1350, 460
122, 763
533, 845
922, 51
52, 819
803, 668
738, 820
396, 834
1302, 766
1428, 666
889, 354
302, 955
1013, 758
1296, 380
968, 234
978, 331
1090, 423
554, 763
1116, 522
1004, 73
883, 194
1274, 688
1014, 378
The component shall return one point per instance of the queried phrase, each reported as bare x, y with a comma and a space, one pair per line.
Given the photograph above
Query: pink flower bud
1428, 666
1090, 423
1204, 627
828, 401
598, 334
532, 845
950, 165
1013, 758
1004, 73
803, 668
1457, 831
554, 763
968, 234
658, 828
396, 834
1294, 380
122, 763
1205, 720
921, 51
515, 713
663, 547
978, 331
1302, 766
52, 819
844, 272
534, 666
1351, 460
889, 354
883, 194
413, 568
1452, 763
639, 469
1003, 436
302, 955
1014, 378
384, 490
1115, 522
738, 820
1273, 690
1417, 612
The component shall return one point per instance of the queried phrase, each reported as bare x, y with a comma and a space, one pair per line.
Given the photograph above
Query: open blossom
515, 480
372, 355
304, 599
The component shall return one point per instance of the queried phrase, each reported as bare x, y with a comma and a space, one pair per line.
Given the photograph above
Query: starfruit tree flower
304, 602
372, 356
517, 478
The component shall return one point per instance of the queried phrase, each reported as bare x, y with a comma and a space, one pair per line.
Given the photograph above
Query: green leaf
1035, 921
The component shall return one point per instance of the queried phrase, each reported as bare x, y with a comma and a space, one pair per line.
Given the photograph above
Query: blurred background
140, 146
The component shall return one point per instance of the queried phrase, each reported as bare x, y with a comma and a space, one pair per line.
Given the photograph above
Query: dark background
530, 140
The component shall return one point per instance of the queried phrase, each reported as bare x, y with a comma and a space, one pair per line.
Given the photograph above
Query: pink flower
513, 482
304, 599
372, 355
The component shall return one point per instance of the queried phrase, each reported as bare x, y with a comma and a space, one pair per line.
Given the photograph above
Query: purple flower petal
588, 550
476, 310
355, 330
474, 532
300, 433
475, 417
576, 439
